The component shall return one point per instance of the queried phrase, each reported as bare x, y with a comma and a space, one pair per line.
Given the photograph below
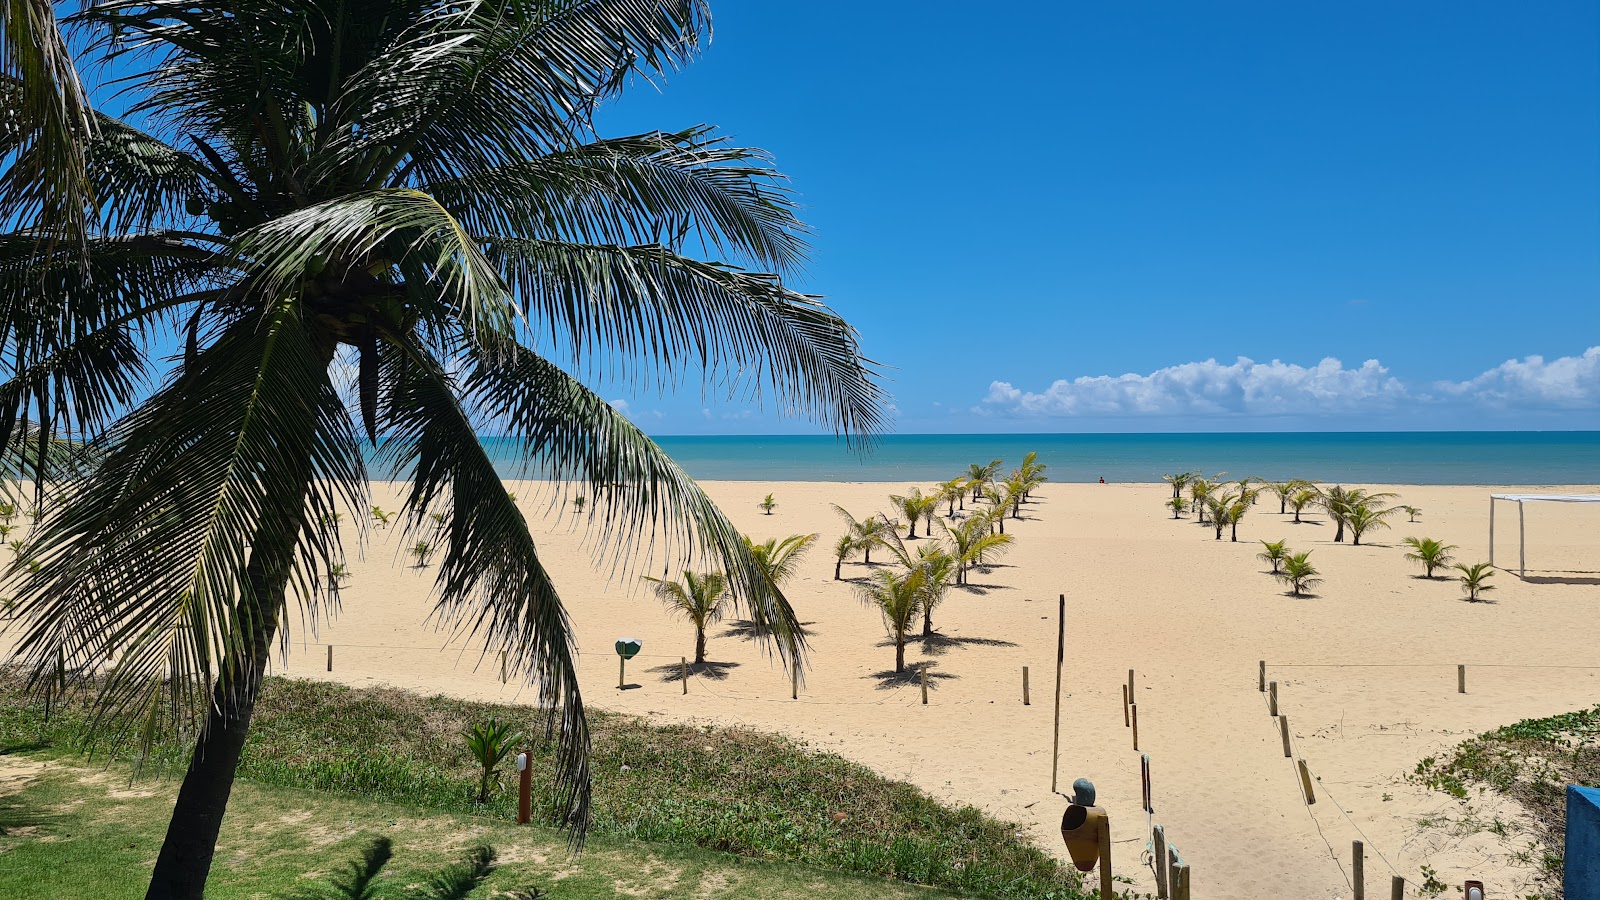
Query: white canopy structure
1522, 531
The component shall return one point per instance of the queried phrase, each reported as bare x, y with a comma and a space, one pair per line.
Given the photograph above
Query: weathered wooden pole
1124, 706
794, 681
1105, 859
1358, 869
1159, 856
1061, 657
1135, 708
923, 675
1180, 879
1305, 783
1272, 698
1461, 679
502, 667
683, 672
1397, 888
525, 787
330, 657
1025, 700
1263, 678
1283, 722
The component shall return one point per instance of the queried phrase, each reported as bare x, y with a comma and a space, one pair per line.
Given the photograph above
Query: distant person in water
1102, 479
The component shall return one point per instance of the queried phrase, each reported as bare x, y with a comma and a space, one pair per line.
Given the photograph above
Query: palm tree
979, 476
50, 124
768, 505
1430, 553
1298, 573
1178, 481
953, 492
1200, 491
973, 543
1340, 502
914, 506
842, 548
873, 531
1284, 490
1032, 472
940, 569
490, 742
1363, 517
1221, 507
698, 598
1475, 578
999, 498
1178, 506
1016, 490
777, 559
1274, 552
1411, 512
415, 195
898, 595
1304, 498
1237, 509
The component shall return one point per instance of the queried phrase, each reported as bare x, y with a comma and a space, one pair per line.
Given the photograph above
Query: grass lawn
71, 831
724, 791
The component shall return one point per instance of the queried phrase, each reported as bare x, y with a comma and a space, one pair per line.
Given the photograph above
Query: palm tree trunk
838, 565
927, 623
1233, 534
699, 646
900, 654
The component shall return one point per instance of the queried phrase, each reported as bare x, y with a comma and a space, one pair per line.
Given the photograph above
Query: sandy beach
1366, 670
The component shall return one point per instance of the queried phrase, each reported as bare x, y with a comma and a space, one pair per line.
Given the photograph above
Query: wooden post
1124, 706
330, 657
1358, 870
1522, 543
1305, 783
525, 787
1134, 707
683, 670
622, 673
1180, 879
1061, 657
1105, 859
1461, 679
1283, 722
1132, 697
502, 667
1025, 701
923, 677
1272, 698
1172, 869
1159, 855
1263, 679
1397, 888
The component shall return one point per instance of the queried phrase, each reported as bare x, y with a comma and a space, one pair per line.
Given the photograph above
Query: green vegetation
1274, 553
914, 506
728, 790
1530, 762
1431, 554
1475, 579
698, 598
490, 742
1178, 505
898, 596
1299, 573
768, 504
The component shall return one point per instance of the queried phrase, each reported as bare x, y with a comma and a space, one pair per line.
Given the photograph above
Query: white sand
1191, 615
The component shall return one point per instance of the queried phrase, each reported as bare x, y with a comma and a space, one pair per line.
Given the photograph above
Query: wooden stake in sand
1305, 783
1180, 881
1272, 698
1025, 686
1461, 679
1397, 888
683, 670
1358, 869
1263, 680
1132, 697
1283, 722
1134, 708
1124, 706
794, 681
502, 667
922, 675
330, 657
1061, 658
1105, 858
1159, 854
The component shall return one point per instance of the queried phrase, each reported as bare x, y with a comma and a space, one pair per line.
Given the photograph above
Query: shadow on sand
715, 671
889, 679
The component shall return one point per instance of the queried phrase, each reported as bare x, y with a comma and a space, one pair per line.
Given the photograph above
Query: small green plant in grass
491, 741
1475, 579
768, 505
1431, 885
1299, 573
1275, 553
1431, 554
422, 550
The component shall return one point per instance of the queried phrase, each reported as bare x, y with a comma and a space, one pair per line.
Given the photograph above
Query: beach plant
973, 543
1274, 553
1303, 498
337, 574
1299, 573
423, 551
954, 493
1178, 505
768, 504
48, 125
1429, 553
382, 517
699, 597
1200, 491
1475, 579
914, 506
1221, 507
939, 570
1340, 502
1363, 517
898, 595
17, 546
842, 548
999, 498
578, 503
1283, 490
1016, 490
8, 512
979, 475
418, 194
490, 742
777, 559
1178, 481
873, 531
5, 531
1032, 472
1411, 512
1242, 503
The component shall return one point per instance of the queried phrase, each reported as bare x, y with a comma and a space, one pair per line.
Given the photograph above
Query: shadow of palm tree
937, 644
747, 629
716, 671
982, 589
889, 679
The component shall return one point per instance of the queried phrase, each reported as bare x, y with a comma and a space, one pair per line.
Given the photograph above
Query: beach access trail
1191, 615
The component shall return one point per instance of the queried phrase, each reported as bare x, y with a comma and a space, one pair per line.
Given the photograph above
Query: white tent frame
1522, 528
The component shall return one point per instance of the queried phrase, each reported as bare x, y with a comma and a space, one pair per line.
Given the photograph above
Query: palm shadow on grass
746, 629
889, 679
937, 644
715, 671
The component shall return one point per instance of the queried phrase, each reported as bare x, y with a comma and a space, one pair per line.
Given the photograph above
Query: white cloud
1329, 388
1569, 382
621, 406
1210, 387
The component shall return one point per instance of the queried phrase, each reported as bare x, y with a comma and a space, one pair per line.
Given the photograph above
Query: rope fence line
1424, 666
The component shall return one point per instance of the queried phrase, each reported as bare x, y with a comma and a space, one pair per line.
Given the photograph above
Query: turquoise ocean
1501, 457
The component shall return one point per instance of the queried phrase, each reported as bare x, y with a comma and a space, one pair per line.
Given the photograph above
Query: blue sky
1079, 217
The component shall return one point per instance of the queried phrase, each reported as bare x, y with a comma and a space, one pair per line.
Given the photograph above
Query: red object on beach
1102, 479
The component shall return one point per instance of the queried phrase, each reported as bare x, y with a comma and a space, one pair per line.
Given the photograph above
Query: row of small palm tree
1294, 569
1433, 555
701, 596
1222, 503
